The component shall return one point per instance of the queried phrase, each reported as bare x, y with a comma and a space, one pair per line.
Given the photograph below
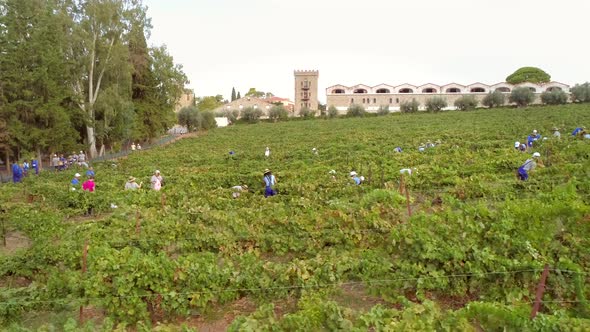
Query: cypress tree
233, 94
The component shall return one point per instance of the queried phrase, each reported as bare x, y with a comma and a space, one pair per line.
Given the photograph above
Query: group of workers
156, 182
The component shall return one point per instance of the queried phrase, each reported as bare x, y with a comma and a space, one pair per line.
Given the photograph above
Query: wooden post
3, 230
84, 256
137, 223
401, 184
163, 200
540, 291
408, 200
382, 173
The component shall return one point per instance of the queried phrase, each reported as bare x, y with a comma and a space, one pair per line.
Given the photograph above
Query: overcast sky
258, 43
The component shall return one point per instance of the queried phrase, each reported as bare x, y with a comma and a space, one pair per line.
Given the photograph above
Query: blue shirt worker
76, 180
577, 131
35, 166
356, 178
90, 172
269, 182
17, 173
533, 137
397, 149
529, 165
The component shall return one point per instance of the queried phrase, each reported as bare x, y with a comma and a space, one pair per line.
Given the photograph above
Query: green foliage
209, 103
521, 96
231, 115
251, 114
409, 106
466, 103
332, 111
528, 74
355, 110
254, 93
494, 99
383, 110
554, 97
208, 120
307, 113
581, 93
190, 118
435, 104
278, 113
323, 252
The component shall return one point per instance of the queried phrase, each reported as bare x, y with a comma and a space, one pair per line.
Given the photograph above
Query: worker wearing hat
132, 185
578, 131
529, 165
556, 133
269, 182
76, 181
237, 190
157, 180
533, 137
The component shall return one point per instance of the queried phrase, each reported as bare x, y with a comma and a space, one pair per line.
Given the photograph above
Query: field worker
90, 171
132, 185
132, 146
529, 165
407, 171
237, 190
517, 145
267, 152
55, 161
556, 133
429, 144
578, 131
356, 178
397, 149
533, 137
26, 167
269, 182
82, 159
138, 146
333, 174
421, 147
35, 166
314, 151
522, 147
89, 184
76, 181
17, 172
157, 180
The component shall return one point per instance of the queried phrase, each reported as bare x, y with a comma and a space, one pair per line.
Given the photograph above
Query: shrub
409, 106
332, 111
521, 96
435, 104
356, 110
581, 93
251, 114
208, 120
306, 113
466, 103
555, 97
231, 115
190, 118
278, 112
383, 110
494, 99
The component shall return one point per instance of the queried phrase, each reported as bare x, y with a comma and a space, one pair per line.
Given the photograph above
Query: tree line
79, 74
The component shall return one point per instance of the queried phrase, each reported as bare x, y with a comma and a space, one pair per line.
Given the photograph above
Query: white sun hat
536, 155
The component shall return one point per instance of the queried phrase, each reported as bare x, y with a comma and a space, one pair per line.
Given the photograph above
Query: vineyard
461, 244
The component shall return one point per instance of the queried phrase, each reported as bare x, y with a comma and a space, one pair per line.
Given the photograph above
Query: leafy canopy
528, 74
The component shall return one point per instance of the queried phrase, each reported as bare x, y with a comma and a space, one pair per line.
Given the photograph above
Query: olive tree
522, 96
494, 99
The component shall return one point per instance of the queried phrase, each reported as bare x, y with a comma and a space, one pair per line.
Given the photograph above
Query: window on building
503, 89
382, 91
429, 90
338, 91
352, 100
532, 89
406, 90
553, 88
453, 90
391, 100
374, 100
477, 90
363, 100
397, 100
360, 91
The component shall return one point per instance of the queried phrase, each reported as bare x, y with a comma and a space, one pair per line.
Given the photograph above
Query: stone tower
306, 90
